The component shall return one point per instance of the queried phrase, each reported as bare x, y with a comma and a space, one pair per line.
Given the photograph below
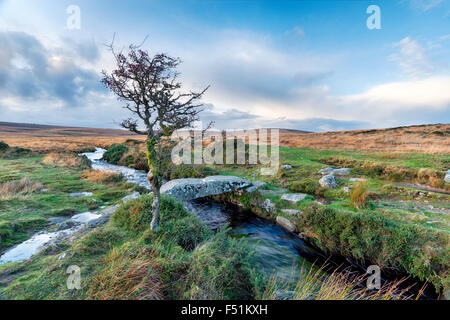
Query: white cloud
412, 57
401, 100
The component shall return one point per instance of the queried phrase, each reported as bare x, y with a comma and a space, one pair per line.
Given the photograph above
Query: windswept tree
149, 87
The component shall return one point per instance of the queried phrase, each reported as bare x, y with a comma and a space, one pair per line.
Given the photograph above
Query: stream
276, 252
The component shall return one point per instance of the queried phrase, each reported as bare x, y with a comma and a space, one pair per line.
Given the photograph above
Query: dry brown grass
424, 139
98, 176
63, 160
339, 285
16, 188
127, 275
360, 194
46, 139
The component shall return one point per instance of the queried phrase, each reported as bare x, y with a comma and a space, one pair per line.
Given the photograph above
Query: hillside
421, 138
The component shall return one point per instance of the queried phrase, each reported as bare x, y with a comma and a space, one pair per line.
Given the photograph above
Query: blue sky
311, 65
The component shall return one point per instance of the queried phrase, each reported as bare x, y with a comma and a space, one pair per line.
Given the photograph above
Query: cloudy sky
307, 65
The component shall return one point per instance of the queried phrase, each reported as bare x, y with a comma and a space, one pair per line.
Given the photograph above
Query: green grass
385, 223
148, 265
24, 214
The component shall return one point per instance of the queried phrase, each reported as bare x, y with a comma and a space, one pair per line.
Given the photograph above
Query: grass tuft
23, 186
104, 177
67, 160
360, 194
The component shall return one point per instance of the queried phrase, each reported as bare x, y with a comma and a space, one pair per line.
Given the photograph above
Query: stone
326, 171
341, 172
61, 257
347, 189
99, 221
447, 177
110, 210
131, 196
255, 186
337, 172
357, 179
191, 188
286, 166
268, 206
328, 181
290, 212
81, 194
286, 224
272, 192
293, 197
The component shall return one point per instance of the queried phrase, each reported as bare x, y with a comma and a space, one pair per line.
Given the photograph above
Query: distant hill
433, 138
49, 130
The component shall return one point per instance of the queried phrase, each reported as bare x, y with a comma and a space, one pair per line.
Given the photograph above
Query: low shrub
115, 153
309, 186
177, 224
369, 237
7, 152
3, 146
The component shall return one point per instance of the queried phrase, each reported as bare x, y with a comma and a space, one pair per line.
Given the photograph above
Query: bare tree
150, 88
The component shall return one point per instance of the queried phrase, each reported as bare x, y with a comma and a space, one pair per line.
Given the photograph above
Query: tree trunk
153, 178
155, 210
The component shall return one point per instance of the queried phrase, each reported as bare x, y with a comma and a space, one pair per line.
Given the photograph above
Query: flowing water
276, 251
40, 240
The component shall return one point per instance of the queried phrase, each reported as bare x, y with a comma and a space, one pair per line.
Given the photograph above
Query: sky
306, 65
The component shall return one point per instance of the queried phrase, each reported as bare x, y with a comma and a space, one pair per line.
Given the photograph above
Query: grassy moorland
44, 139
395, 216
34, 188
387, 218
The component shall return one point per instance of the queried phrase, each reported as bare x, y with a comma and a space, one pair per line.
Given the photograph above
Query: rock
447, 177
293, 197
190, 189
328, 181
290, 212
286, 224
357, 179
337, 172
272, 192
341, 172
286, 166
61, 257
131, 196
81, 194
255, 186
326, 171
99, 221
110, 210
268, 206
347, 189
